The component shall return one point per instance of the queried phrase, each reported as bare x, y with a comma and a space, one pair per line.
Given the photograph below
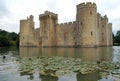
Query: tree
7, 39
3, 33
13, 36
114, 41
4, 41
17, 40
117, 38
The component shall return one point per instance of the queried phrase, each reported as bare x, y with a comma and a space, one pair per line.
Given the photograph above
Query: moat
10, 66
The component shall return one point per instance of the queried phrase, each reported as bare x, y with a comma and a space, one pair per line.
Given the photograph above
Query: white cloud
14, 10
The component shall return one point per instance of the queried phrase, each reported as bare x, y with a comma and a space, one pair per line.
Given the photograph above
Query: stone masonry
89, 29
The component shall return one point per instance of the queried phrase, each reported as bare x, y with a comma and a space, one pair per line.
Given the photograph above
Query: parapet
28, 20
110, 24
46, 13
23, 20
86, 5
105, 18
31, 17
98, 14
66, 23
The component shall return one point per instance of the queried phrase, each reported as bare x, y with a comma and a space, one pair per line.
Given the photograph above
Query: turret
31, 17
86, 5
87, 22
104, 30
109, 35
27, 32
48, 23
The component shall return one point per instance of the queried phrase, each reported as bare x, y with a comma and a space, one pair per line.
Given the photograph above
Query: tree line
8, 38
116, 38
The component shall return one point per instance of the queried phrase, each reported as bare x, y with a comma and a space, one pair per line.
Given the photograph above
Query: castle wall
27, 32
89, 30
87, 22
37, 37
67, 35
99, 25
48, 24
105, 31
23, 26
110, 36
104, 28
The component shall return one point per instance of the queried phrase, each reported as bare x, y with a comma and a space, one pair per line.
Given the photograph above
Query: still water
9, 66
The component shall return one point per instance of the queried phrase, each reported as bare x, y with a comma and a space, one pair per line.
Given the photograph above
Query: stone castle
89, 29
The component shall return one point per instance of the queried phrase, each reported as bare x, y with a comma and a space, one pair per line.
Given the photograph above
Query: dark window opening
103, 26
102, 39
91, 33
44, 31
102, 33
81, 23
90, 12
74, 38
74, 29
75, 43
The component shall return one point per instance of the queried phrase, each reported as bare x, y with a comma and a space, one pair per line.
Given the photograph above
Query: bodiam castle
89, 29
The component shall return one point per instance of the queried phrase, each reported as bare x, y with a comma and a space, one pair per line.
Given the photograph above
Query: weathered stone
89, 30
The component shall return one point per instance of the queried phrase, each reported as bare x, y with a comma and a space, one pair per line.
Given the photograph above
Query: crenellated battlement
98, 14
48, 13
66, 23
110, 24
105, 18
90, 29
86, 5
30, 18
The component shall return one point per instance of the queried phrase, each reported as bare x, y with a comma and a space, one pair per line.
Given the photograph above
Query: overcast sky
11, 11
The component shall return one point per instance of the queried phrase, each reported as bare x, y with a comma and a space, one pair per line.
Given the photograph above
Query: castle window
91, 33
74, 38
44, 31
75, 43
90, 12
103, 26
81, 23
102, 39
102, 33
74, 29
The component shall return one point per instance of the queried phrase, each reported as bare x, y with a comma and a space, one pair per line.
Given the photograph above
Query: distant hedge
8, 38
4, 41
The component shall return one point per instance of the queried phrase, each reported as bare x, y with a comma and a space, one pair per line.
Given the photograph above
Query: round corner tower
86, 19
27, 32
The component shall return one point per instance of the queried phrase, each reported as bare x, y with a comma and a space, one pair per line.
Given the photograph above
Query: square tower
48, 24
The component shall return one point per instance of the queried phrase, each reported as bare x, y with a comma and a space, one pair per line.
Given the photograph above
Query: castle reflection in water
87, 54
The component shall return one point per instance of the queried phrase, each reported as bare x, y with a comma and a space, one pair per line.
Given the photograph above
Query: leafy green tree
114, 41
4, 41
7, 38
17, 40
13, 36
3, 33
117, 38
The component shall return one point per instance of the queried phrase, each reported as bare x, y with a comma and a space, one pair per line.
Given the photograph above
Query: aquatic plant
57, 66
